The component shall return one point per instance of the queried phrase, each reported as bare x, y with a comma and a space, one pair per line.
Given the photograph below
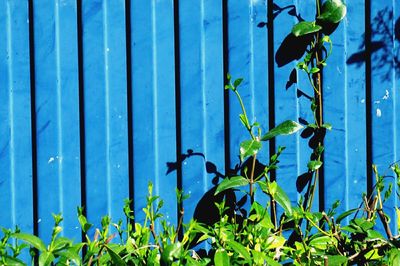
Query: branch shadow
385, 35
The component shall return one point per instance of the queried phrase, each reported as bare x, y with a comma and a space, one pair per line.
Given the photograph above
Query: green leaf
337, 260
314, 70
227, 183
285, 128
249, 148
314, 165
275, 242
283, 200
321, 242
244, 120
12, 261
237, 82
115, 258
32, 240
71, 254
333, 11
272, 262
398, 218
46, 258
221, 258
327, 126
394, 256
345, 214
305, 27
240, 249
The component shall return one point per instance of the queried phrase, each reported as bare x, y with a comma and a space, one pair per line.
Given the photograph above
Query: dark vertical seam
178, 118
33, 118
225, 51
368, 95
129, 100
271, 78
82, 135
35, 202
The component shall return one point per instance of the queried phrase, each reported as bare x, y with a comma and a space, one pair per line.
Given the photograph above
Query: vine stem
252, 179
244, 113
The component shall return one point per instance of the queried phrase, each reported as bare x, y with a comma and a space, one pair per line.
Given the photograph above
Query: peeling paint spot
51, 159
377, 102
386, 95
362, 100
378, 112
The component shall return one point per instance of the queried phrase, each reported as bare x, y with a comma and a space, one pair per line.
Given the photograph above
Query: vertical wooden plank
248, 59
396, 100
344, 108
153, 85
105, 101
383, 102
305, 142
57, 116
201, 102
287, 104
15, 128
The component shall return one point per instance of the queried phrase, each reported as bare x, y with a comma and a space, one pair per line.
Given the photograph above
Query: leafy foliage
272, 232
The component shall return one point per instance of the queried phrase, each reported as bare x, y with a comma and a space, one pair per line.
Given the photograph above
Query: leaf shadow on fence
383, 47
206, 211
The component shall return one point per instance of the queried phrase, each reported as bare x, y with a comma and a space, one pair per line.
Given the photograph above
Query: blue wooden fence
97, 98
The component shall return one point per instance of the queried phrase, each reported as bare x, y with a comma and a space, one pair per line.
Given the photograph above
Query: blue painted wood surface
165, 71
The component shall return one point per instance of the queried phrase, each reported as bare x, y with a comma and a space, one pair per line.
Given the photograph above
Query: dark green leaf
305, 27
314, 165
221, 258
237, 82
333, 11
32, 240
72, 255
285, 128
249, 148
227, 183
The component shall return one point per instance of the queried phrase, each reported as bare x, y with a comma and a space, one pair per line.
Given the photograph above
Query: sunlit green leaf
227, 183
285, 128
283, 200
249, 148
32, 240
305, 27
221, 258
240, 249
314, 165
333, 11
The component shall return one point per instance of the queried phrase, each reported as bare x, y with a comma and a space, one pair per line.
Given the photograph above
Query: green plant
274, 232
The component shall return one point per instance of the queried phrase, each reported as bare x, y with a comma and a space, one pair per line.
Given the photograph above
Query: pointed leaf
46, 258
227, 183
337, 260
115, 258
285, 128
221, 258
345, 214
305, 27
32, 240
283, 200
333, 11
314, 165
240, 249
249, 148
